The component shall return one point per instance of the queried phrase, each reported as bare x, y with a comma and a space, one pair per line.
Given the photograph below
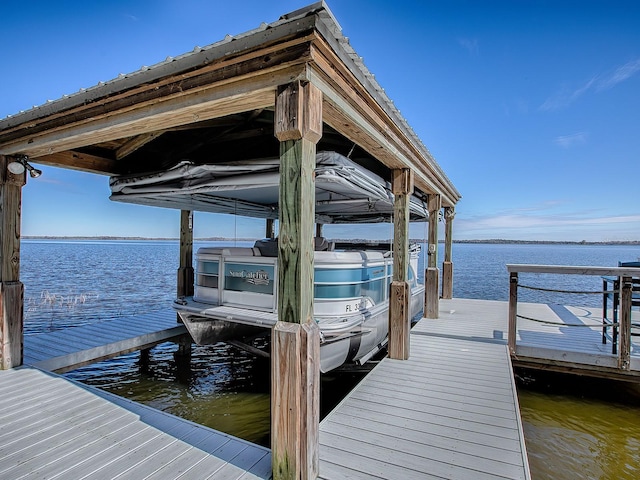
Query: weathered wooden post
447, 265
185, 271
624, 355
295, 342
400, 294
513, 312
185, 279
431, 284
11, 289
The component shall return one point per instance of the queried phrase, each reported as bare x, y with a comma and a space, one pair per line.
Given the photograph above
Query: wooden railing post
431, 283
295, 340
513, 312
624, 355
399, 295
447, 264
11, 289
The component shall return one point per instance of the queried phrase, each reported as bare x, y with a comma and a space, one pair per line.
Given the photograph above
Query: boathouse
287, 89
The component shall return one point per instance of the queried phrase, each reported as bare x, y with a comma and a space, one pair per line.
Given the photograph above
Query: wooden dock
574, 339
59, 429
450, 411
72, 347
557, 338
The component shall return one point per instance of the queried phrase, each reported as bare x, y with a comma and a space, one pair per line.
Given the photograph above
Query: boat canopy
345, 191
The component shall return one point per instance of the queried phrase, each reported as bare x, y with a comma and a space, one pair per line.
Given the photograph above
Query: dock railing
624, 276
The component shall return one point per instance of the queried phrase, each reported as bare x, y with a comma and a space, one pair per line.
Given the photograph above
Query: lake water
574, 428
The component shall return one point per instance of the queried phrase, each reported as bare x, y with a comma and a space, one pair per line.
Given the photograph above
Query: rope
604, 325
565, 291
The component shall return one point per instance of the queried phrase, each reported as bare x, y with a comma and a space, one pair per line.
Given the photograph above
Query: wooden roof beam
136, 142
80, 161
251, 92
208, 73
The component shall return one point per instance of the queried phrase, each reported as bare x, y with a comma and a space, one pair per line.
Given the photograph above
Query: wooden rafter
80, 161
135, 143
228, 134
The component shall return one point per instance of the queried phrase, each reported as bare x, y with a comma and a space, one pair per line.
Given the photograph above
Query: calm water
574, 429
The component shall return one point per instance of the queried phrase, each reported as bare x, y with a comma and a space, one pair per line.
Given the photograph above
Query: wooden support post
447, 265
431, 283
400, 294
624, 355
184, 344
11, 289
295, 341
185, 271
270, 228
513, 312
145, 356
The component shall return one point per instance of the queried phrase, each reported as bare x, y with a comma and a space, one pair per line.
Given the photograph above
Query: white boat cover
345, 191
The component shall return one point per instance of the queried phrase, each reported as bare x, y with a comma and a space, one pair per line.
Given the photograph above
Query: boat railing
620, 284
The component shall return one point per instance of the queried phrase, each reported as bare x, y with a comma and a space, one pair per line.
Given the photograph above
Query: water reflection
221, 387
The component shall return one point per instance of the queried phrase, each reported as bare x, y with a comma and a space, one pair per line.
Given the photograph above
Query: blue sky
531, 108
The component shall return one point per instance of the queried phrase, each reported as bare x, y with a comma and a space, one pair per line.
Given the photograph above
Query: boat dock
57, 428
70, 348
548, 336
450, 411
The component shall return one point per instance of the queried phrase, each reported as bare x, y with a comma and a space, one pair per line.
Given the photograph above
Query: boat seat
268, 247
320, 244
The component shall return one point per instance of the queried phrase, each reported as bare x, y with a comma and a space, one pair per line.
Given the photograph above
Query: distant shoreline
495, 241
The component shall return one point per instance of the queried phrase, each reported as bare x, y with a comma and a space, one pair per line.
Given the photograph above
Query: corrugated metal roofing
315, 15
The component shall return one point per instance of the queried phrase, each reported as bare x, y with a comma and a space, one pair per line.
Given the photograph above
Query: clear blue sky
531, 108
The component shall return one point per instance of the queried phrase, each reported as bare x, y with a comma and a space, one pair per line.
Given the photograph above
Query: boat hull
354, 339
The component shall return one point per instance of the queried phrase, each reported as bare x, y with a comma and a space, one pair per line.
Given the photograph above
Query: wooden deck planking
450, 411
58, 429
433, 416
75, 431
538, 343
76, 346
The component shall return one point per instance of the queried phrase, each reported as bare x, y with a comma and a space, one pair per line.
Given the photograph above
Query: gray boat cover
345, 191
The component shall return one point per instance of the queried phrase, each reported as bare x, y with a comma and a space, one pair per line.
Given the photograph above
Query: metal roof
316, 16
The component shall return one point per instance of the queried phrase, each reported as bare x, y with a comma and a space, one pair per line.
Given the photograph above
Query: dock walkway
450, 411
558, 337
72, 347
54, 428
